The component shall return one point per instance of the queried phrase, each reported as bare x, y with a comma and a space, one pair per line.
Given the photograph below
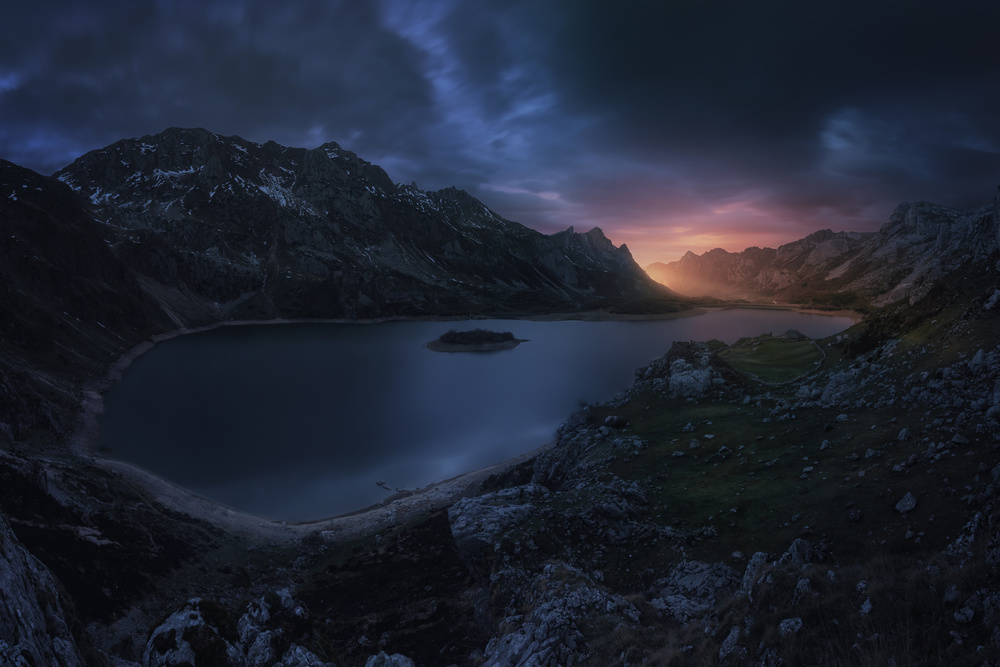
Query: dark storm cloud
725, 122
308, 72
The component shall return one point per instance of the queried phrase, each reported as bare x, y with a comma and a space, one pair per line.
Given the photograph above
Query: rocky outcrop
477, 523
34, 625
692, 590
202, 632
560, 598
687, 370
385, 660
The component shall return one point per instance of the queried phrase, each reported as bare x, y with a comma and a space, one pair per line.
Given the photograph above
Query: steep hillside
921, 243
68, 306
224, 227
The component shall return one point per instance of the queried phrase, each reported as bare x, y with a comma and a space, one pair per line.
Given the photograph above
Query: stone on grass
964, 616
789, 626
394, 660
730, 648
906, 503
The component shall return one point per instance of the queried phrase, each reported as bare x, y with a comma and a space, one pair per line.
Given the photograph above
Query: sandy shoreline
366, 521
83, 442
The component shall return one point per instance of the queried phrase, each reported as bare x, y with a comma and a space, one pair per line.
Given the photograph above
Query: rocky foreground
848, 516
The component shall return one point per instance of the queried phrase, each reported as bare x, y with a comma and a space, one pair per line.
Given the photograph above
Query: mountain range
222, 227
920, 244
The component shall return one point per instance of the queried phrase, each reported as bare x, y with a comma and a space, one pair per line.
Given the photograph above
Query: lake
299, 421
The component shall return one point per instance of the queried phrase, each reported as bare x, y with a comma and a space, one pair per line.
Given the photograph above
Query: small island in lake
477, 340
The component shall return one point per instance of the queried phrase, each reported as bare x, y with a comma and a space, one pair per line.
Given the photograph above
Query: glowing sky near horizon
673, 126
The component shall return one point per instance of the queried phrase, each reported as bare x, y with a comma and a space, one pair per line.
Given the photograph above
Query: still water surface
299, 421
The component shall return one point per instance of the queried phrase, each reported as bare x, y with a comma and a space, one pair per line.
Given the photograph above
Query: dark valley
780, 500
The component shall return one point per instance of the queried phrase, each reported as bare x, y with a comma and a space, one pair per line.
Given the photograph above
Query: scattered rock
752, 573
802, 590
615, 421
789, 626
992, 301
557, 600
906, 503
730, 647
394, 660
690, 589
198, 633
477, 522
964, 616
801, 552
296, 656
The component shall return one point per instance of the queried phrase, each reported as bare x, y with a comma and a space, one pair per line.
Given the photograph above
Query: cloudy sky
673, 125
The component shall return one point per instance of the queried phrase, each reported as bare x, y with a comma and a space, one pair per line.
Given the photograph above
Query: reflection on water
299, 421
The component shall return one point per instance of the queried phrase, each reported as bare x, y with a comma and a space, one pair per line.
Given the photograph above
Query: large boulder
691, 589
34, 627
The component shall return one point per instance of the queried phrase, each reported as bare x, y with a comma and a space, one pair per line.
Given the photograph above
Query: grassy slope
772, 359
759, 496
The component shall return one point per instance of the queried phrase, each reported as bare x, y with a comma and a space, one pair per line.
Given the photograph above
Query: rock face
221, 224
921, 243
33, 625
